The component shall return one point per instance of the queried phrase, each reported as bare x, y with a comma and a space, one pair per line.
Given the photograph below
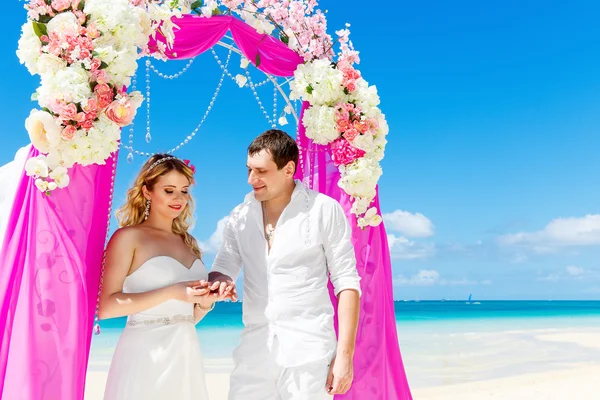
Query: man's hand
341, 374
222, 285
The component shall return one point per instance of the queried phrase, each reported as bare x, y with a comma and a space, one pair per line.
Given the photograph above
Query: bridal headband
162, 160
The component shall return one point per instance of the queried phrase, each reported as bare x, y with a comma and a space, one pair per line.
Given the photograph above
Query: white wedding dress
158, 356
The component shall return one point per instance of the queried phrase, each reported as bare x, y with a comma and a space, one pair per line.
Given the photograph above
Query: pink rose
351, 87
92, 31
92, 106
121, 112
68, 112
69, 132
100, 76
105, 94
61, 5
350, 134
86, 124
361, 126
95, 64
343, 153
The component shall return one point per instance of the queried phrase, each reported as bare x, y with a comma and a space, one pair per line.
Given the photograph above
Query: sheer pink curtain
50, 261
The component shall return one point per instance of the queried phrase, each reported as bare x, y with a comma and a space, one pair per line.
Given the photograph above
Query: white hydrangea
29, 48
359, 179
320, 125
70, 85
365, 96
318, 83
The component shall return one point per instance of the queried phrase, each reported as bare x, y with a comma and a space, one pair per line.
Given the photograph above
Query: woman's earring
147, 210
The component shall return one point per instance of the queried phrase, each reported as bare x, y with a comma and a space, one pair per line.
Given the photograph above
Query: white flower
70, 85
241, 80
371, 218
287, 109
320, 124
65, 23
41, 184
244, 62
37, 166
283, 120
365, 96
29, 48
359, 179
258, 21
207, 9
44, 130
318, 83
60, 177
50, 64
360, 205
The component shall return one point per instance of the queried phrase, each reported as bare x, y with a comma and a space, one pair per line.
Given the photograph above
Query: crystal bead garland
274, 122
260, 104
131, 130
229, 74
148, 135
96, 329
173, 76
195, 131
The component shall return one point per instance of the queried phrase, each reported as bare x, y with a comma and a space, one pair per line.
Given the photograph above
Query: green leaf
44, 19
34, 96
81, 5
39, 29
196, 4
49, 2
285, 39
257, 60
216, 11
309, 89
103, 65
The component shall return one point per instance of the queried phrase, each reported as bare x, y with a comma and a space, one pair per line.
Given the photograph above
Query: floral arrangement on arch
86, 52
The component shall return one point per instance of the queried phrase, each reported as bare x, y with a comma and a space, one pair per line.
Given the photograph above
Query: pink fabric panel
51, 260
378, 368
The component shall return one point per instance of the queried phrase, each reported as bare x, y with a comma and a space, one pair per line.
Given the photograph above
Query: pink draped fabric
378, 369
196, 35
50, 260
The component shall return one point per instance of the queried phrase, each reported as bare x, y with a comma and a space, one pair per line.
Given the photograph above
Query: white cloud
559, 232
431, 277
214, 242
408, 224
575, 271
570, 272
405, 249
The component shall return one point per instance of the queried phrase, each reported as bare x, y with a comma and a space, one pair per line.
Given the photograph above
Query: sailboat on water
469, 300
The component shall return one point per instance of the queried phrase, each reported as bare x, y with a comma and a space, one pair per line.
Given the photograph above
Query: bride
155, 276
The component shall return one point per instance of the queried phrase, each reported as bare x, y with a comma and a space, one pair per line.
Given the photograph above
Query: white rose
44, 130
29, 48
65, 22
244, 62
37, 166
50, 64
320, 124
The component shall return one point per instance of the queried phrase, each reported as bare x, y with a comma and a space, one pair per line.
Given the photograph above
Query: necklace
269, 231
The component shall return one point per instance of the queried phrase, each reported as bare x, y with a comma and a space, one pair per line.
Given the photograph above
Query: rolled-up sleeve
228, 260
339, 251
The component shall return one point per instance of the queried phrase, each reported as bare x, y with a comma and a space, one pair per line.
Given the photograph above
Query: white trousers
257, 376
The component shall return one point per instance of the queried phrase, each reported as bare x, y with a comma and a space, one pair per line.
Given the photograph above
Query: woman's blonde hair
132, 212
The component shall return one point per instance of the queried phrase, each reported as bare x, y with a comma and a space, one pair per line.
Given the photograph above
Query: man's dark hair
282, 147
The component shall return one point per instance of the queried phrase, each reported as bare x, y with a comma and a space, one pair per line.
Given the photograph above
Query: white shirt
285, 291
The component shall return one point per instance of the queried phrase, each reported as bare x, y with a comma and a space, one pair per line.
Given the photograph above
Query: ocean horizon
441, 341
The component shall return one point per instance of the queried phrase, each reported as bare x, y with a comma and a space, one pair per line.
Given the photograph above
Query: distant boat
470, 297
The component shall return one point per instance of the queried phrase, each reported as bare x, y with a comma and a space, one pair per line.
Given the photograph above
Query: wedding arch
86, 52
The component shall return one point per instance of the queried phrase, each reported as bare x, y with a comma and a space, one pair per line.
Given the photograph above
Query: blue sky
491, 180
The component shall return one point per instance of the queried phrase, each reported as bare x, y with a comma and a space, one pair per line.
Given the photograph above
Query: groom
290, 240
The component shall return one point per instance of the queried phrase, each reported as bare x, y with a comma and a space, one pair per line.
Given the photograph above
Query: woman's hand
190, 291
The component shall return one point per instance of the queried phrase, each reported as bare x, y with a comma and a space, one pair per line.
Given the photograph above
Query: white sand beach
546, 376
